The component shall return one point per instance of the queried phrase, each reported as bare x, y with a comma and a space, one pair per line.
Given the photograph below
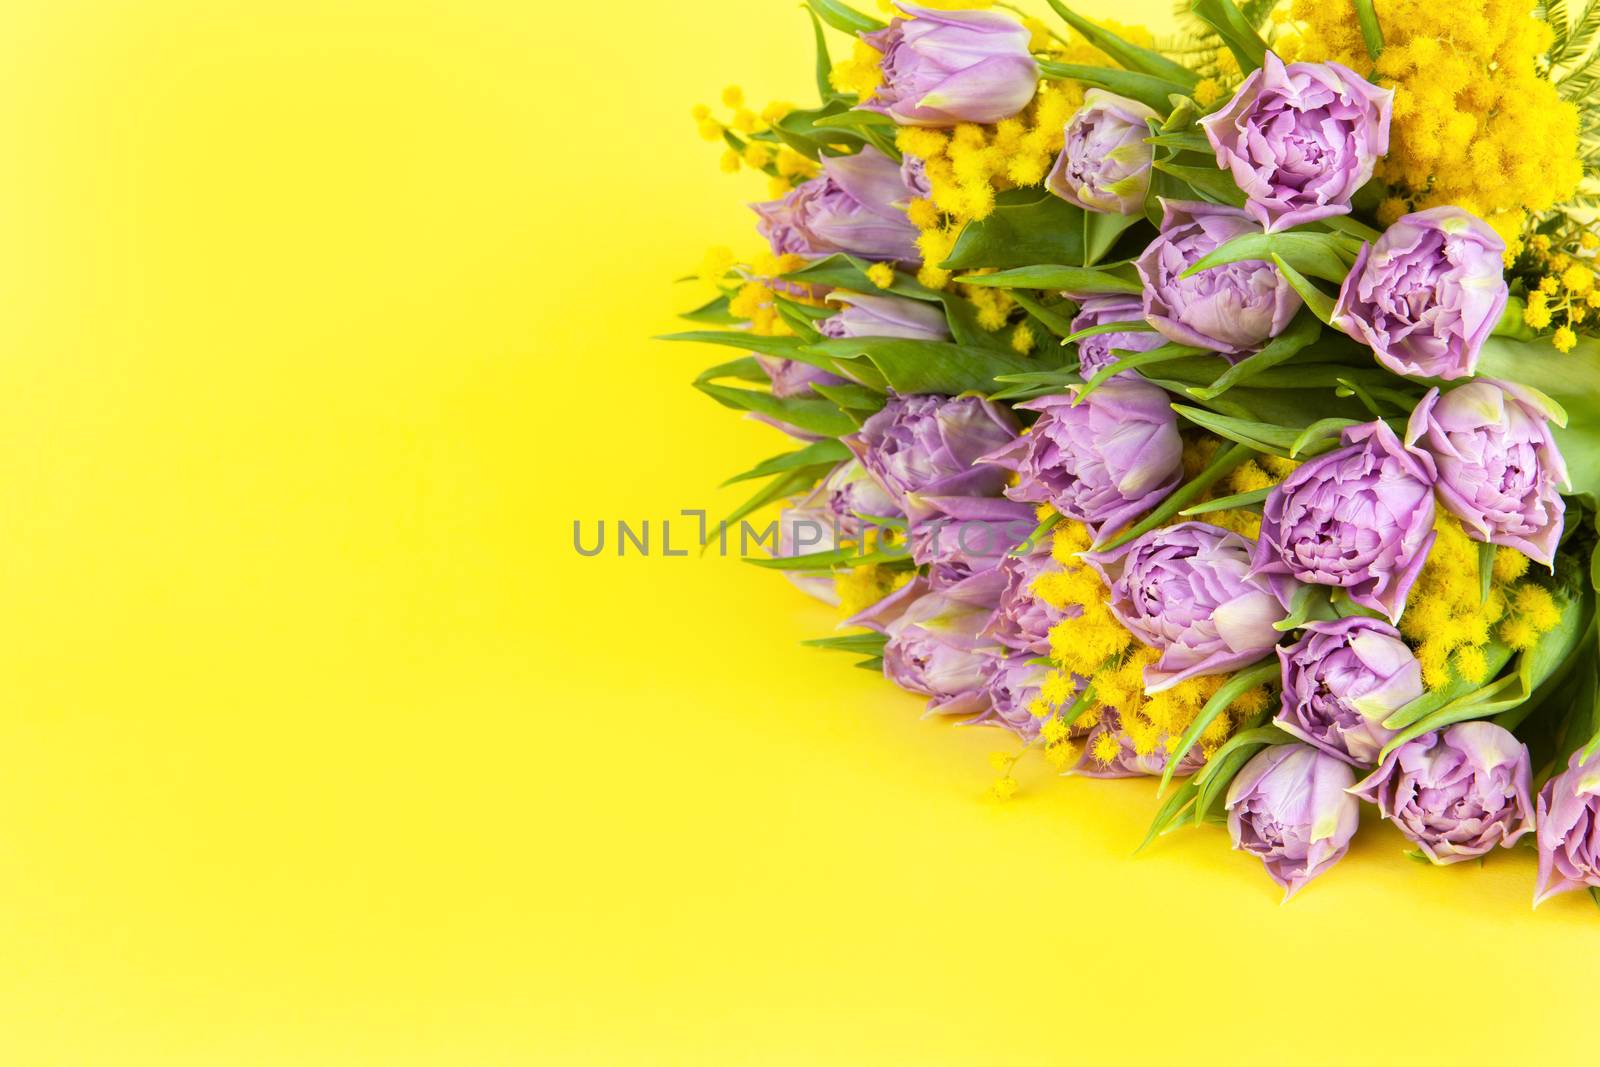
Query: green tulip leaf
1131, 56
1152, 91
828, 450
1072, 279
1027, 226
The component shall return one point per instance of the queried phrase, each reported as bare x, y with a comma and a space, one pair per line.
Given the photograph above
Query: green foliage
1319, 255
1028, 226
1051, 277
1154, 92
1235, 29
843, 18
849, 273
908, 366
1130, 56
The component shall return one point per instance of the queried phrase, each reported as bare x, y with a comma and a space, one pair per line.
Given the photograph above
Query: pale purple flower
1098, 351
791, 377
936, 646
928, 445
1022, 620
959, 536
1013, 684
1500, 471
1427, 295
851, 492
878, 616
1289, 807
1104, 461
941, 68
1360, 518
1186, 590
866, 315
1300, 139
1456, 793
1341, 680
1232, 309
856, 205
914, 173
1568, 829
1104, 163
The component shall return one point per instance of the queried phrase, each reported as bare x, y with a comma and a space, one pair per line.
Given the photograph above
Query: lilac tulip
926, 445
1012, 684
1568, 821
936, 646
941, 68
1300, 139
866, 315
1232, 309
1427, 295
914, 173
1456, 793
1022, 621
790, 377
959, 536
856, 205
879, 616
1341, 680
1360, 518
1104, 164
1500, 471
1289, 806
1186, 590
1098, 351
1103, 461
851, 493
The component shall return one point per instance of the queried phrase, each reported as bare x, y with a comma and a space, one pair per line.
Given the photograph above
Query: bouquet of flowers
1223, 408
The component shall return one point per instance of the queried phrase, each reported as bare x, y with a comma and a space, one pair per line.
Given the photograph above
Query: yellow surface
319, 324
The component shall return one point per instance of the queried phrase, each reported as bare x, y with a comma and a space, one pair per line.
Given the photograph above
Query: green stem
1371, 32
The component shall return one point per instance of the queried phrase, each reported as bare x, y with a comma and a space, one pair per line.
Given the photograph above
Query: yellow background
320, 322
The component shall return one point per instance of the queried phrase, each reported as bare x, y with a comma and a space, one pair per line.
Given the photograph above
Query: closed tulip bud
791, 377
945, 67
1104, 163
936, 647
929, 445
1186, 591
1231, 309
1427, 294
1300, 139
1098, 351
1458, 792
1568, 820
1341, 680
865, 315
1500, 471
1289, 807
1360, 518
1103, 461
856, 205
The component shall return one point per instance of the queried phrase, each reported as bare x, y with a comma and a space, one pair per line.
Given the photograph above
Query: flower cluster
1185, 418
